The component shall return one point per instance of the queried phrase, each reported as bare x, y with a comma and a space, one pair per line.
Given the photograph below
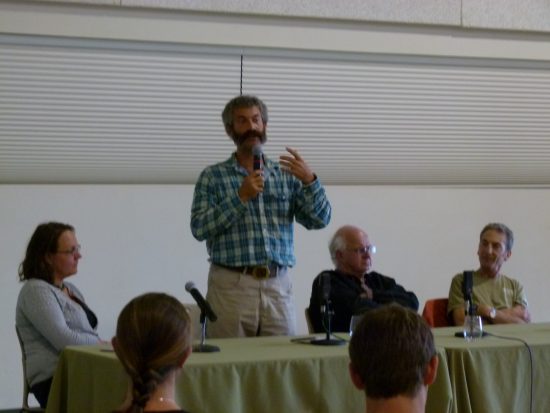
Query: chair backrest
26, 389
310, 329
435, 312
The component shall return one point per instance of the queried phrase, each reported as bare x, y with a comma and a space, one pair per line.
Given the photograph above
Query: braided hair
152, 337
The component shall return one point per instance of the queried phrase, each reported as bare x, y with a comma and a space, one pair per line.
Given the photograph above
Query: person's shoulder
458, 276
222, 165
35, 290
35, 284
331, 272
509, 280
375, 274
318, 276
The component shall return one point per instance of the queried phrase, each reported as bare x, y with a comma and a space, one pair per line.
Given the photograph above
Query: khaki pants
247, 307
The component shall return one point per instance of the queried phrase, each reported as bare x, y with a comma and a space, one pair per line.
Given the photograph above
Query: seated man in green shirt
496, 297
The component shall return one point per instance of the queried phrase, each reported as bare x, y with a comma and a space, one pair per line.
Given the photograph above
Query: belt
260, 272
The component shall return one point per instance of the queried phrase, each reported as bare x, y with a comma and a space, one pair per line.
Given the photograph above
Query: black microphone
467, 291
327, 313
202, 303
324, 287
257, 153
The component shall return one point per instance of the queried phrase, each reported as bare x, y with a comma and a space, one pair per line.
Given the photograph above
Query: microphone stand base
205, 348
328, 342
462, 334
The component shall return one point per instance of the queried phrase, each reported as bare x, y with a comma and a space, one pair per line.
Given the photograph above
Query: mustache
251, 133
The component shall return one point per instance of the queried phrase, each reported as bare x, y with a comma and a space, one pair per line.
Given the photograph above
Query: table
492, 374
249, 375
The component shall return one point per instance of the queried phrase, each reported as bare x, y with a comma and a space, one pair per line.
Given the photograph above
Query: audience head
495, 247
243, 102
52, 253
351, 251
392, 353
153, 340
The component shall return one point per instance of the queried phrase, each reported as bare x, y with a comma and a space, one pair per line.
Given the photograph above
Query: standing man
354, 288
497, 298
393, 360
245, 208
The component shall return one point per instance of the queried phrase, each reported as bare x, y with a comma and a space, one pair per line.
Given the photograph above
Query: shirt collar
269, 166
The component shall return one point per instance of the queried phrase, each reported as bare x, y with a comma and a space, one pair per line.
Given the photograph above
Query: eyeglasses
371, 249
72, 251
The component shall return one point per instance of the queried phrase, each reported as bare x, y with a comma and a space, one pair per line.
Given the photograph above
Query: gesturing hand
297, 166
251, 186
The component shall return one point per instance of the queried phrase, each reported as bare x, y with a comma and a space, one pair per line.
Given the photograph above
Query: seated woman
51, 313
153, 340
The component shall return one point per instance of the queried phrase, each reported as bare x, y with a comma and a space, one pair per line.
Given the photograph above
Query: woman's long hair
43, 242
153, 336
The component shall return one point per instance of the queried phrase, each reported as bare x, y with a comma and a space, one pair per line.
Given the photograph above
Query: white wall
137, 238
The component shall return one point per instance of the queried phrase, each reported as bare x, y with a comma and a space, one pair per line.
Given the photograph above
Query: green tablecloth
493, 374
249, 375
272, 374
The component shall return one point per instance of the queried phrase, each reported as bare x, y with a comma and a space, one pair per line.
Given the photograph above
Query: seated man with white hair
354, 289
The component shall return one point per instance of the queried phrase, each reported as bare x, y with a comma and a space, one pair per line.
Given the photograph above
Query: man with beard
246, 216
496, 297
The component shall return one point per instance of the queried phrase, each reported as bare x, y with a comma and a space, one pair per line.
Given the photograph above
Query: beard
239, 139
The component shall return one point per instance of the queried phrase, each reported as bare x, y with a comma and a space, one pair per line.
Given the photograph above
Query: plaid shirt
259, 231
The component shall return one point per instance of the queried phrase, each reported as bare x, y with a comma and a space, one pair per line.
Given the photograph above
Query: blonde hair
153, 336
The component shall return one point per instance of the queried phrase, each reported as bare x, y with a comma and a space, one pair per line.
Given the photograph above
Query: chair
26, 389
435, 312
310, 329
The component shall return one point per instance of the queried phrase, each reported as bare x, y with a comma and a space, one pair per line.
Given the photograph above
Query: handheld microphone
257, 153
201, 302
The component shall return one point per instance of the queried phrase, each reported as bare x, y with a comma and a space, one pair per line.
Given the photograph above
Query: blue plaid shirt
260, 231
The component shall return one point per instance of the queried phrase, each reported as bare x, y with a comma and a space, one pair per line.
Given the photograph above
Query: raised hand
297, 166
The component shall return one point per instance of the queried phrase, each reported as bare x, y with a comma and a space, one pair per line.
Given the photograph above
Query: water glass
473, 327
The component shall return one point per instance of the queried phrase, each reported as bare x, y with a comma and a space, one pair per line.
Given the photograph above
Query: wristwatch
493, 313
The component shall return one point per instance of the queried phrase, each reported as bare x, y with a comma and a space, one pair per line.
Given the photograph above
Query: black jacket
345, 291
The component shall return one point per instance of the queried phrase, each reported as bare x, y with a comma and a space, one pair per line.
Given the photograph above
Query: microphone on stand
324, 291
470, 310
206, 312
201, 302
327, 313
467, 289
